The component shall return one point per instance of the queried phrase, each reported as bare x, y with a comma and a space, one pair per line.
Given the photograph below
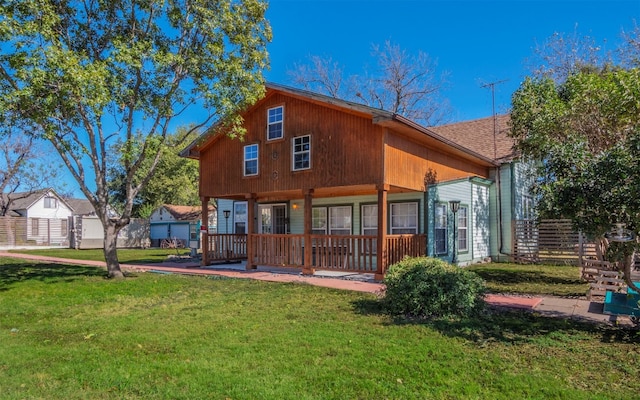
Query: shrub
425, 287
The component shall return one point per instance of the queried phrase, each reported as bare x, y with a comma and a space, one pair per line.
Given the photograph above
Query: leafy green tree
175, 179
586, 132
87, 73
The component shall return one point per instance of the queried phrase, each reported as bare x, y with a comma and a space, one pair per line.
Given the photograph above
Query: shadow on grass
525, 276
506, 326
15, 271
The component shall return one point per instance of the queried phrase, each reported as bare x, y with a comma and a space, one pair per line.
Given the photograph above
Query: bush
426, 287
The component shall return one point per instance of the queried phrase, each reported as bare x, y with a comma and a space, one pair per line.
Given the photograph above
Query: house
182, 223
321, 183
44, 215
510, 200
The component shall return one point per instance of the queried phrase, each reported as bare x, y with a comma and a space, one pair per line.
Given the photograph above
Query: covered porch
309, 251
345, 253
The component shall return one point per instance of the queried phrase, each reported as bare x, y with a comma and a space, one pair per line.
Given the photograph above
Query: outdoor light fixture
226, 217
455, 206
620, 234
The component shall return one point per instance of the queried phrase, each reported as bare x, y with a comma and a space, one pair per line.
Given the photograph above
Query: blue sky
476, 42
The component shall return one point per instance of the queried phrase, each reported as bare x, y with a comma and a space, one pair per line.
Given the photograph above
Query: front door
273, 218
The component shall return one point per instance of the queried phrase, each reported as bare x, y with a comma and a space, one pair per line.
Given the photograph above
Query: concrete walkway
578, 309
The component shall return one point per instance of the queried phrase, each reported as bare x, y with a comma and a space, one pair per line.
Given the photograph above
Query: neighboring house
179, 222
509, 198
322, 183
46, 215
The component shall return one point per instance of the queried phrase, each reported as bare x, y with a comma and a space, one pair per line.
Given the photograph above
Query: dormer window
274, 125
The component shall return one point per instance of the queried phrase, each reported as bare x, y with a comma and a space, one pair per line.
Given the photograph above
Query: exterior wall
161, 215
509, 196
296, 215
89, 233
38, 210
352, 140
475, 196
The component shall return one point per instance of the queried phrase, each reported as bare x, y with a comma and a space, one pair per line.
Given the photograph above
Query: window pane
340, 220
319, 220
462, 228
441, 229
251, 159
404, 218
274, 126
302, 152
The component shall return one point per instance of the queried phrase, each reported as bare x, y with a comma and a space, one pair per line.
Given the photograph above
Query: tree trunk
111, 250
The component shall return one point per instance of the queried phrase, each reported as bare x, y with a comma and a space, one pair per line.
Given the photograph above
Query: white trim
294, 153
275, 122
245, 159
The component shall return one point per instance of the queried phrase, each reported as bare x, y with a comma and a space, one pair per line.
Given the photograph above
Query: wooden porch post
205, 232
382, 233
251, 230
308, 269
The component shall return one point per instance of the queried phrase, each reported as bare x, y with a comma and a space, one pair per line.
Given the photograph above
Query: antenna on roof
492, 85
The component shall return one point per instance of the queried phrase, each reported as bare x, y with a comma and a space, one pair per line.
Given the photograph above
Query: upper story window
251, 160
274, 125
50, 202
301, 153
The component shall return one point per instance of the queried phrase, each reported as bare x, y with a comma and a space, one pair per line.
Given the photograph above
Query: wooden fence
549, 241
21, 231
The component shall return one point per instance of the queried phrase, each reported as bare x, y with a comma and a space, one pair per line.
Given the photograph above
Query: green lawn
500, 277
555, 280
68, 333
128, 256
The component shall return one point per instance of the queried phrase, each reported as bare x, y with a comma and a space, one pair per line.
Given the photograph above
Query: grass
500, 277
555, 280
127, 256
66, 332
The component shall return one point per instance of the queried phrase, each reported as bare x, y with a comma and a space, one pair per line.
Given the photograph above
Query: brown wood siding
407, 162
345, 151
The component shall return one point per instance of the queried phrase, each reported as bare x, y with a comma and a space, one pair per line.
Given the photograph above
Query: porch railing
400, 246
356, 253
278, 250
227, 247
349, 253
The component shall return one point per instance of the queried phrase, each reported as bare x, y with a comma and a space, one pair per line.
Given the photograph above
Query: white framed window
50, 202
251, 160
404, 218
463, 228
319, 221
331, 220
301, 153
340, 220
275, 117
369, 219
239, 217
440, 228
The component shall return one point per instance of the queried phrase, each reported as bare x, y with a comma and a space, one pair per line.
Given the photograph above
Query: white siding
37, 210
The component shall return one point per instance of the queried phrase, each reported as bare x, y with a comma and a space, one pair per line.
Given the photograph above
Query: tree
586, 132
403, 83
24, 166
87, 73
175, 179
